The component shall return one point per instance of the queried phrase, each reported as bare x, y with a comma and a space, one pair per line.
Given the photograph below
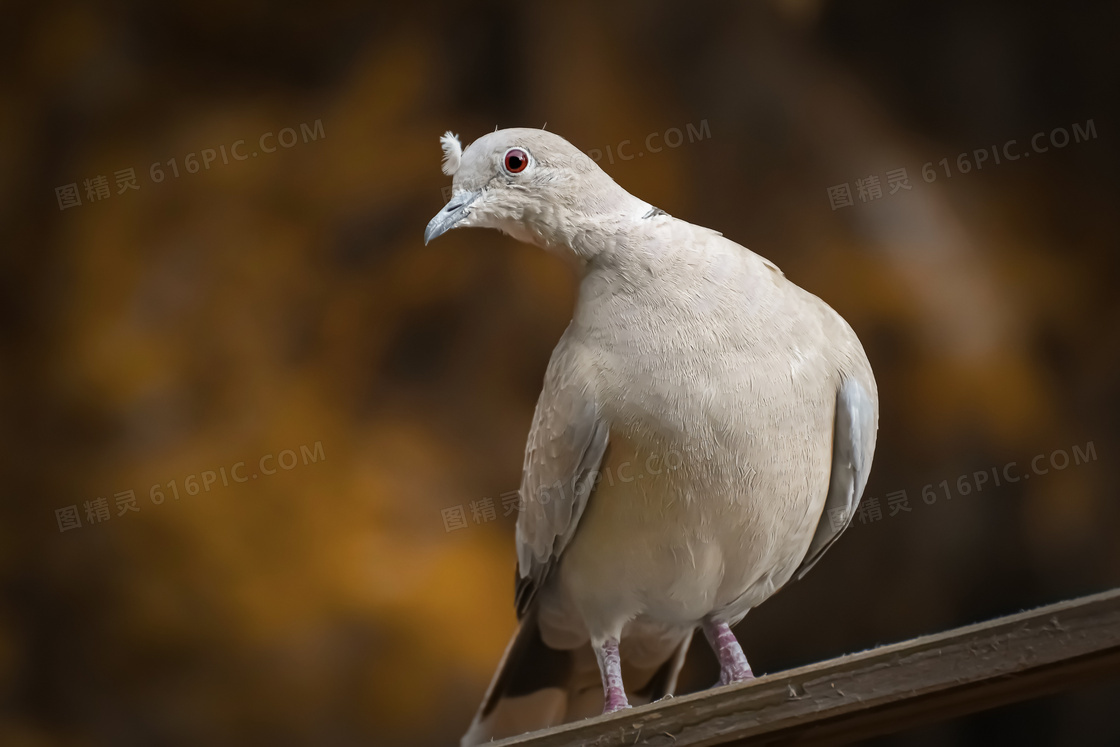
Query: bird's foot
610, 666
733, 666
735, 674
613, 705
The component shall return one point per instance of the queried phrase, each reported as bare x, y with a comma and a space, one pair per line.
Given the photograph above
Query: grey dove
704, 434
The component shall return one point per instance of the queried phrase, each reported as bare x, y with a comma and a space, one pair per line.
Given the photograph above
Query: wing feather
565, 449
853, 444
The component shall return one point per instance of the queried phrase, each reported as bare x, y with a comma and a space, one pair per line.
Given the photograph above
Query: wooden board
879, 691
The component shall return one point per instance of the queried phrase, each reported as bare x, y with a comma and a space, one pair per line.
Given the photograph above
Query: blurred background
258, 441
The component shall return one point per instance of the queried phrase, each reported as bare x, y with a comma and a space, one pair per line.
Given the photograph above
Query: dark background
287, 300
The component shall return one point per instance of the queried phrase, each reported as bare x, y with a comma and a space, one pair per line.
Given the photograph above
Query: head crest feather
452, 152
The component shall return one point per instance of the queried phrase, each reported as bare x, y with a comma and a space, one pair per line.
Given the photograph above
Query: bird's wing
565, 448
853, 444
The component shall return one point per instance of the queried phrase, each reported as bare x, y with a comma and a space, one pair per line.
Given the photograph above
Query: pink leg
610, 666
733, 666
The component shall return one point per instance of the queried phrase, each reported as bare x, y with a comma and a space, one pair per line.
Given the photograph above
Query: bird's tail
536, 686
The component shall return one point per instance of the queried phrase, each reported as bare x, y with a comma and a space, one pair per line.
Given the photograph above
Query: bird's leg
610, 666
733, 666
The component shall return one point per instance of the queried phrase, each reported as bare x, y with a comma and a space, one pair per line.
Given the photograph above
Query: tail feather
536, 686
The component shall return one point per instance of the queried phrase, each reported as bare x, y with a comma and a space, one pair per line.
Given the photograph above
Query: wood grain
879, 691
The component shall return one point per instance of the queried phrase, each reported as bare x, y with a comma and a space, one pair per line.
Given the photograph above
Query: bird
704, 433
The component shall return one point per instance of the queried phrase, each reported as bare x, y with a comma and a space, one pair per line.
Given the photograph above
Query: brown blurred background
283, 309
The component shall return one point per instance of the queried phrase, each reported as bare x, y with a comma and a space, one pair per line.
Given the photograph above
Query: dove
704, 434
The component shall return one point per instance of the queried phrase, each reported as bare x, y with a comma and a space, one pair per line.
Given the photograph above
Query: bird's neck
598, 232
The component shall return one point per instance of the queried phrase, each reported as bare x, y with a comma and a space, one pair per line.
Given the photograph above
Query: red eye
516, 160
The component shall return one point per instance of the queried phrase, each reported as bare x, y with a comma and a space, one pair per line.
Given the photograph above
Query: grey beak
453, 212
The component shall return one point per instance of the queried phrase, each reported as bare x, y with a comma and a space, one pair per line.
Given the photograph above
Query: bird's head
532, 185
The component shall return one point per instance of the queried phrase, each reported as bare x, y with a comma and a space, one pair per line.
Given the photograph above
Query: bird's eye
515, 160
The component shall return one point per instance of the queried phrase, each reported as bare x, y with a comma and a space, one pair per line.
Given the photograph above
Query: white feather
452, 152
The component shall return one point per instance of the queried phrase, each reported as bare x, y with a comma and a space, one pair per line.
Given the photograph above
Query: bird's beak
451, 215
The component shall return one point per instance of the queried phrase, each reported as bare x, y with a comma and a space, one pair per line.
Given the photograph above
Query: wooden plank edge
985, 664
